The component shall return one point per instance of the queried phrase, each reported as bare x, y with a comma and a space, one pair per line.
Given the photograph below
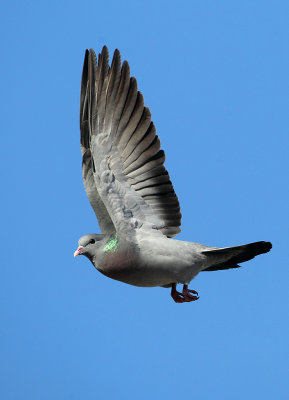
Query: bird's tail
230, 257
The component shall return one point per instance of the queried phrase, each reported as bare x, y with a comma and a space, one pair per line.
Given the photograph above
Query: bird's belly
150, 275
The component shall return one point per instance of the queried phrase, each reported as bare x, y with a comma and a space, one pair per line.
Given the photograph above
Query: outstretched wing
123, 166
104, 220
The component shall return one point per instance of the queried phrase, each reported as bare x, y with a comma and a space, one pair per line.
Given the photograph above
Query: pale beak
78, 251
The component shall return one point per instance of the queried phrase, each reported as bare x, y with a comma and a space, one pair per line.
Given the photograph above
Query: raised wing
123, 166
105, 223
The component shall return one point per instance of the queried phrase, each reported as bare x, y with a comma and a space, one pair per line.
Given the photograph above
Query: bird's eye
92, 241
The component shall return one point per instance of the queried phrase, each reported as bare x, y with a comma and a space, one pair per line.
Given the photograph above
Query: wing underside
123, 166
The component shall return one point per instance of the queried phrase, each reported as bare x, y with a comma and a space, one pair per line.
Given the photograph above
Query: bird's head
90, 245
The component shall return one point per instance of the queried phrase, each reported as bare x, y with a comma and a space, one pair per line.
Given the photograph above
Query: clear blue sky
215, 76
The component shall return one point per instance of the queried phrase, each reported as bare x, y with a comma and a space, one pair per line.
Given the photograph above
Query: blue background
215, 76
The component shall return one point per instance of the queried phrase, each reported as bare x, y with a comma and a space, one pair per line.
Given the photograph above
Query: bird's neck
111, 245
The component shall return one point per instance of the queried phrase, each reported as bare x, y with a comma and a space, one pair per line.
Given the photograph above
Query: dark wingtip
125, 67
105, 54
117, 52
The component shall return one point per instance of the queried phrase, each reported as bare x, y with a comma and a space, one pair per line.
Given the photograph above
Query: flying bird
131, 192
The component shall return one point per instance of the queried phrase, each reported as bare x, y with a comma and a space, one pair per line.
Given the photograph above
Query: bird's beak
78, 251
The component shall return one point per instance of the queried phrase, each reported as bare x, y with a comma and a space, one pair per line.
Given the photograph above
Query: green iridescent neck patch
111, 246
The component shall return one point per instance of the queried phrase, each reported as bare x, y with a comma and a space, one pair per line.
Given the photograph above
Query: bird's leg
177, 296
187, 294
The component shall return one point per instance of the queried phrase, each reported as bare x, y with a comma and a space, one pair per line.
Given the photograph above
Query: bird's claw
193, 291
185, 296
178, 297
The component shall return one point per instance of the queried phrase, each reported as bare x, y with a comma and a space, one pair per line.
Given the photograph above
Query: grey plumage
130, 190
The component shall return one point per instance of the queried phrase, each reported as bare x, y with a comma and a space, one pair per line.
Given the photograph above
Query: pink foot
185, 296
177, 296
